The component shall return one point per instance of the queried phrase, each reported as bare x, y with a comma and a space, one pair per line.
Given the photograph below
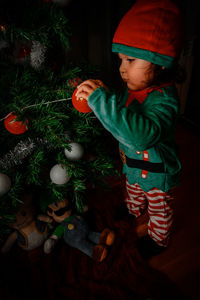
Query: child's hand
87, 87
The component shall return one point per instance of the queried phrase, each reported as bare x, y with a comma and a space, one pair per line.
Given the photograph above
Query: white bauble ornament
5, 184
76, 151
59, 175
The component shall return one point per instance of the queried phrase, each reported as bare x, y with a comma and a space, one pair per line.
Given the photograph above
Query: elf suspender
145, 158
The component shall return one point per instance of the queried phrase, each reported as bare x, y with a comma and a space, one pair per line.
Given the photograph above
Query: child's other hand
87, 87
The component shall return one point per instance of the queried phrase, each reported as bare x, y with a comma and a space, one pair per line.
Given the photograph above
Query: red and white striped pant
159, 211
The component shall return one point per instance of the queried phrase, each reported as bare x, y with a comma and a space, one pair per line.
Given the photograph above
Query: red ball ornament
80, 103
13, 126
24, 51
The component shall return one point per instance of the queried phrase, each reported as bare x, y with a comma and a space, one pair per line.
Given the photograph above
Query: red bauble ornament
13, 126
80, 103
24, 51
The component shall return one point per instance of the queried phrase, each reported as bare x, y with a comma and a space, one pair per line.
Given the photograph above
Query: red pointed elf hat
151, 30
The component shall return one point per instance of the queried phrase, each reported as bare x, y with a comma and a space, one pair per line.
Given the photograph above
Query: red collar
142, 94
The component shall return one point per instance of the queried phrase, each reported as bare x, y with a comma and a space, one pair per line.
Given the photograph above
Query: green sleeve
59, 231
141, 126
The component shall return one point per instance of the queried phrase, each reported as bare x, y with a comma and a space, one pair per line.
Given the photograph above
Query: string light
33, 105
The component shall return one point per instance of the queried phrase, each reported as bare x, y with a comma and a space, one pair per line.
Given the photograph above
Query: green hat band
156, 58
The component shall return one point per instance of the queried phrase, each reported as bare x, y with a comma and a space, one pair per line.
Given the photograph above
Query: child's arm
135, 128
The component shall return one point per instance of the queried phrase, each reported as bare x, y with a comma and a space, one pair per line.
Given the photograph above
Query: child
148, 41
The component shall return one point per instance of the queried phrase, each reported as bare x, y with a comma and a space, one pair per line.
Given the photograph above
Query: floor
181, 261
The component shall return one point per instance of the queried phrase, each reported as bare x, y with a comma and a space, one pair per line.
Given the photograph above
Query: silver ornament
5, 184
59, 175
23, 149
37, 55
75, 153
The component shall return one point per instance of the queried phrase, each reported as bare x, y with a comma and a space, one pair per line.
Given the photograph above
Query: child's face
135, 72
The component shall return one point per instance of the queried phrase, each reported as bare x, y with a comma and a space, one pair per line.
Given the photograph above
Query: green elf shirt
145, 130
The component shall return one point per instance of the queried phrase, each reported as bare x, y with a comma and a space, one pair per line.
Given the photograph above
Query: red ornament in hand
13, 126
80, 103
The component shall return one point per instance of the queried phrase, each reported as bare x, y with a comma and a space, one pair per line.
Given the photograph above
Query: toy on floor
76, 232
29, 231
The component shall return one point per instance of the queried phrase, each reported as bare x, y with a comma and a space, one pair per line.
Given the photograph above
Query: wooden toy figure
29, 231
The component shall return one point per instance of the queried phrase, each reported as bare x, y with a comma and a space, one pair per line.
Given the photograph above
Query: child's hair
161, 76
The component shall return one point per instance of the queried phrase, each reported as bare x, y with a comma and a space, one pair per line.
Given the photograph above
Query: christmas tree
47, 144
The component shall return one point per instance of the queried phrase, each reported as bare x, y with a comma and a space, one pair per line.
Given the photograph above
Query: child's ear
163, 68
